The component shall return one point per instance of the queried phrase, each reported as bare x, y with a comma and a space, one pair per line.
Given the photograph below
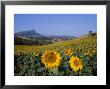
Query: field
76, 57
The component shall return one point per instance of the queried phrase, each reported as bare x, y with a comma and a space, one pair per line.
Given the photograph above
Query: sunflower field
76, 57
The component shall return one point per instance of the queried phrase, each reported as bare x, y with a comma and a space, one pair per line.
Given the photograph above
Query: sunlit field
75, 57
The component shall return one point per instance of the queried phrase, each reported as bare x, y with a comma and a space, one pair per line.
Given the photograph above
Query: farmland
75, 57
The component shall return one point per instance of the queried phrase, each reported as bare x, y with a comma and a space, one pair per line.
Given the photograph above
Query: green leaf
54, 71
87, 70
61, 73
41, 69
33, 72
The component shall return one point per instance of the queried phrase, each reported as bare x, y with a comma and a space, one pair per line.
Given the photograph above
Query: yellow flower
86, 53
36, 53
75, 63
68, 52
51, 59
94, 50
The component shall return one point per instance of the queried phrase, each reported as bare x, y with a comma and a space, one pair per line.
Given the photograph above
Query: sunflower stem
78, 72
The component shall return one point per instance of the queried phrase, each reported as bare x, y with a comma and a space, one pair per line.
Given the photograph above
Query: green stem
78, 72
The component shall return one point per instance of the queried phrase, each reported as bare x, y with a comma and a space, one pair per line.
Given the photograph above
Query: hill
31, 37
29, 33
82, 41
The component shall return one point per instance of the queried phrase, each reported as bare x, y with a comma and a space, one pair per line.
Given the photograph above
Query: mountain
62, 37
31, 37
32, 33
29, 33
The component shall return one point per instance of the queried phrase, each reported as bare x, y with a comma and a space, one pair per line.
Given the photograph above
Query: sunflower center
50, 58
36, 52
76, 63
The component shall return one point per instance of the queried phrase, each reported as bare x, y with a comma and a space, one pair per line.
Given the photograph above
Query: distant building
23, 37
56, 40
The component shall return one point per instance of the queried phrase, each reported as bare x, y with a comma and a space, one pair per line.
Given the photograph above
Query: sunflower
86, 53
75, 63
36, 53
51, 59
94, 50
68, 52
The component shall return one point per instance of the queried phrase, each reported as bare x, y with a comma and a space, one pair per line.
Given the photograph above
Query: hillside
31, 37
86, 39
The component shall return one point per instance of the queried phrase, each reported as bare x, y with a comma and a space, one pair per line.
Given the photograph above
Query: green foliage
27, 64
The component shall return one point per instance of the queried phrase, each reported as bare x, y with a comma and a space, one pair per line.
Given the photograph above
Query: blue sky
56, 24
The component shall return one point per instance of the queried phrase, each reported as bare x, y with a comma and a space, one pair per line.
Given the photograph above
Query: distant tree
90, 32
93, 34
